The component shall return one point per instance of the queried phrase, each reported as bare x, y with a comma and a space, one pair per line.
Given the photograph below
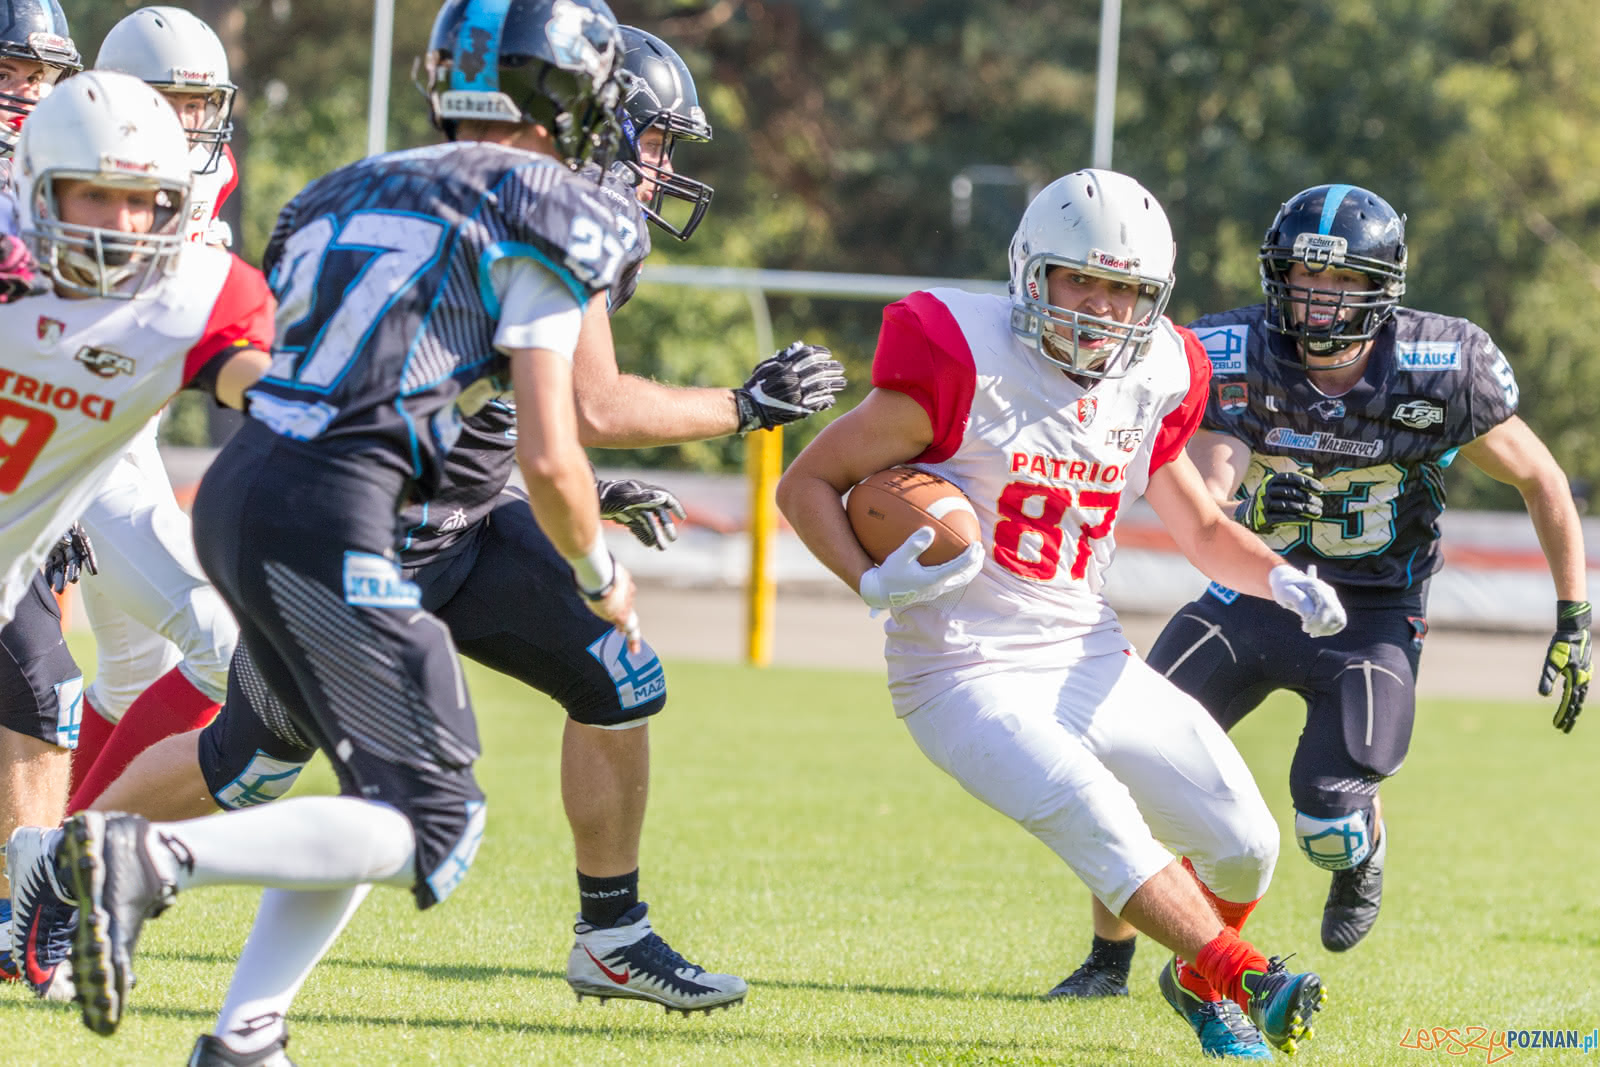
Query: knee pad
206, 634
263, 779
1336, 844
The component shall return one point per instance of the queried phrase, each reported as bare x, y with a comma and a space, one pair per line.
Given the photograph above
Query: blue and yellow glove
1569, 658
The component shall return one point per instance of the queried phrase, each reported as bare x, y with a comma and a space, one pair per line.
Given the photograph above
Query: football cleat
1281, 1004
211, 1051
45, 915
630, 960
1095, 977
116, 887
1223, 1030
1353, 900
8, 964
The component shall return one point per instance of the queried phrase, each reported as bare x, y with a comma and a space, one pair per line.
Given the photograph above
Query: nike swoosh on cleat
620, 977
30, 956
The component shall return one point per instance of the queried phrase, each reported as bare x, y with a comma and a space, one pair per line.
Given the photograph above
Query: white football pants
1106, 761
150, 606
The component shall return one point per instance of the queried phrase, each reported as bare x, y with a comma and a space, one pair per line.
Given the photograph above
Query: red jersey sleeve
1181, 422
923, 354
241, 317
228, 186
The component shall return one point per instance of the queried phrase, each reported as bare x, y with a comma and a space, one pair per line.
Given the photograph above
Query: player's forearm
1555, 520
1231, 555
561, 492
634, 412
816, 511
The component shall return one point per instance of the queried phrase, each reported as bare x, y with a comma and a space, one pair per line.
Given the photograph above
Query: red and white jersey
79, 379
1047, 464
209, 192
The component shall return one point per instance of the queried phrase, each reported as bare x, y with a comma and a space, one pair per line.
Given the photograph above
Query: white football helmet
111, 129
180, 55
1105, 225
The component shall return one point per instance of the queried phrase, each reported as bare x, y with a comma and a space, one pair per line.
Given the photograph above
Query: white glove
1321, 614
901, 581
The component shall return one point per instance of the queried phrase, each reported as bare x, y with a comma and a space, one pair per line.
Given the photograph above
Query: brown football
888, 507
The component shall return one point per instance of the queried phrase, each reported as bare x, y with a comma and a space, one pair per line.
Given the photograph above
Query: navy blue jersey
386, 311
1432, 384
480, 464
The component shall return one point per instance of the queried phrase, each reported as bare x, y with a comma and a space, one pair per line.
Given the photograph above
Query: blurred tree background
841, 125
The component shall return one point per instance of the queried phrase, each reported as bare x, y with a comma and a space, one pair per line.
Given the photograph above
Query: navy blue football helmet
34, 31
550, 62
1340, 227
659, 92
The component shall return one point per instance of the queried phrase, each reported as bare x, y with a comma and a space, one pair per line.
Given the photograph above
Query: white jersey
79, 379
1047, 464
208, 193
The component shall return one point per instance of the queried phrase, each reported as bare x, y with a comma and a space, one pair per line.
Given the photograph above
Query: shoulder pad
584, 233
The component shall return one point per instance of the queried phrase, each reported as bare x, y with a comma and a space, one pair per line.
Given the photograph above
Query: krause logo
1428, 355
105, 363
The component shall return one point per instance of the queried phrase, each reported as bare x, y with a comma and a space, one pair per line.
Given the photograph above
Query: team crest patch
1087, 406
50, 330
1428, 355
1225, 347
1419, 414
104, 362
1128, 440
1233, 397
1328, 410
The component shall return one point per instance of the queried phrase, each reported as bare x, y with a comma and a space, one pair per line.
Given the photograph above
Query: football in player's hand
888, 507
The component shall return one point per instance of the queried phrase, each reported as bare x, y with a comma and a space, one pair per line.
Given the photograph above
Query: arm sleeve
241, 317
537, 309
1179, 424
923, 354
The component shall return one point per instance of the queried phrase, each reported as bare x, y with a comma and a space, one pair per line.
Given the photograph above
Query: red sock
1225, 961
94, 730
1233, 916
172, 705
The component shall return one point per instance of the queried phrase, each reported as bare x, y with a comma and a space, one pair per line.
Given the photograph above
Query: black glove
1281, 496
801, 380
69, 556
646, 510
1568, 658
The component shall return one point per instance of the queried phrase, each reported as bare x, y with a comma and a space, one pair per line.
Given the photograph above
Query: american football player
129, 318
1333, 415
408, 296
1051, 411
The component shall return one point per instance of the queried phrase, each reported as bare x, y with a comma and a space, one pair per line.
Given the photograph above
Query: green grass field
797, 837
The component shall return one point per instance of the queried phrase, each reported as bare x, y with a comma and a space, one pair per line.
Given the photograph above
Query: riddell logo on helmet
193, 77
127, 166
1108, 261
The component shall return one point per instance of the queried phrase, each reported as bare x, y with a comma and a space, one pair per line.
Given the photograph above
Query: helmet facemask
93, 261
660, 174
216, 124
1081, 343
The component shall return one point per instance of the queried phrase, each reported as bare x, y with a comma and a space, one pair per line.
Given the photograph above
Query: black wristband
1572, 615
601, 593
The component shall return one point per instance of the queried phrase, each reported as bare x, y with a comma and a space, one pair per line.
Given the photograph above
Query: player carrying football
1333, 415
1009, 669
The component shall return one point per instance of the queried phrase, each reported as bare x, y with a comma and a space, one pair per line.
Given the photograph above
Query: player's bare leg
163, 783
605, 778
605, 784
33, 785
1172, 909
1104, 973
